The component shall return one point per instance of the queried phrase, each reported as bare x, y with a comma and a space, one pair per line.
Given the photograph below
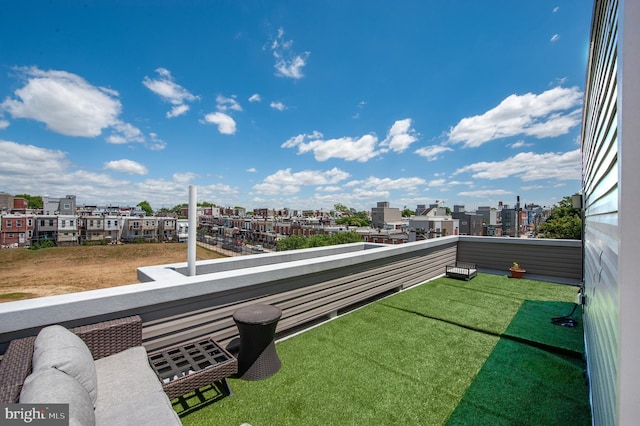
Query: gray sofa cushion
51, 386
124, 375
59, 348
151, 409
130, 392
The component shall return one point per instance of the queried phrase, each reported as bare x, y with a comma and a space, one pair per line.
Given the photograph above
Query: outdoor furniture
462, 270
100, 370
258, 358
192, 365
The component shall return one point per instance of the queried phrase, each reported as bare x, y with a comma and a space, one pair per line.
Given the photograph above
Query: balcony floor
445, 352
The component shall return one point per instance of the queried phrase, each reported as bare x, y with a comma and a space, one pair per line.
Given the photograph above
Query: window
29, 222
67, 206
19, 223
50, 222
41, 222
62, 223
71, 223
8, 223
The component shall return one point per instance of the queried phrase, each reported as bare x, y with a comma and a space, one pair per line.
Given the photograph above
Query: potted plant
517, 271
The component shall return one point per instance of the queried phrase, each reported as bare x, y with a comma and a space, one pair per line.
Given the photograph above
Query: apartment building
382, 214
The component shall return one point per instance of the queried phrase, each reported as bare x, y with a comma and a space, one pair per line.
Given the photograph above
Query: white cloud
532, 187
485, 193
519, 144
184, 177
437, 182
225, 104
286, 182
126, 166
3, 124
255, 98
170, 91
554, 38
431, 153
555, 9
56, 176
400, 136
350, 149
226, 124
251, 170
549, 114
65, 102
155, 144
278, 105
124, 133
529, 166
265, 188
178, 110
329, 188
288, 64
20, 161
388, 184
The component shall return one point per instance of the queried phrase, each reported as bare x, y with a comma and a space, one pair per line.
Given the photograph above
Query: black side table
258, 358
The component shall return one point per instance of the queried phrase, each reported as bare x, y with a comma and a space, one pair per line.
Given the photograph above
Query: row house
67, 233
139, 228
46, 228
112, 228
16, 230
167, 228
92, 229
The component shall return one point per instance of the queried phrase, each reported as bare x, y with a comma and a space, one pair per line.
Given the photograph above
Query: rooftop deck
426, 353
445, 352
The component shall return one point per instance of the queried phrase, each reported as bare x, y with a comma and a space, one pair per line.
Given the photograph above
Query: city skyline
293, 104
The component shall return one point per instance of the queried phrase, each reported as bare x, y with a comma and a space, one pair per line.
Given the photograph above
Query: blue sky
293, 104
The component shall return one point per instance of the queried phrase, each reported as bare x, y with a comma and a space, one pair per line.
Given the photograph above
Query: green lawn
479, 352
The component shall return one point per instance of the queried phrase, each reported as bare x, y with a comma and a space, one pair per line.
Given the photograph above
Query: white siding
611, 197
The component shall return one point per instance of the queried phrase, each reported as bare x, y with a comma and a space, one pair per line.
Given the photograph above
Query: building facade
611, 201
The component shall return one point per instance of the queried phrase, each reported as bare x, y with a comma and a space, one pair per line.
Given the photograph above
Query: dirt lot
34, 273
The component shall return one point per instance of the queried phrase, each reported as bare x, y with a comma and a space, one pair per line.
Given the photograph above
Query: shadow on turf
198, 399
534, 375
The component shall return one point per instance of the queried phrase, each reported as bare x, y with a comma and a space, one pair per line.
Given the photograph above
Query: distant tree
318, 240
177, 209
292, 242
206, 204
359, 219
34, 201
295, 242
345, 238
164, 211
144, 205
407, 212
564, 222
341, 208
448, 211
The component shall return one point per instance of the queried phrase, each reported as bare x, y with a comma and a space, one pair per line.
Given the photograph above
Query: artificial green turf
407, 359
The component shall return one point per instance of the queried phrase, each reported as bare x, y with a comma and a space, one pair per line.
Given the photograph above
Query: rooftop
444, 352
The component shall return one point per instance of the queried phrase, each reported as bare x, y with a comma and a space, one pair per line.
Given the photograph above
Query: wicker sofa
100, 370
